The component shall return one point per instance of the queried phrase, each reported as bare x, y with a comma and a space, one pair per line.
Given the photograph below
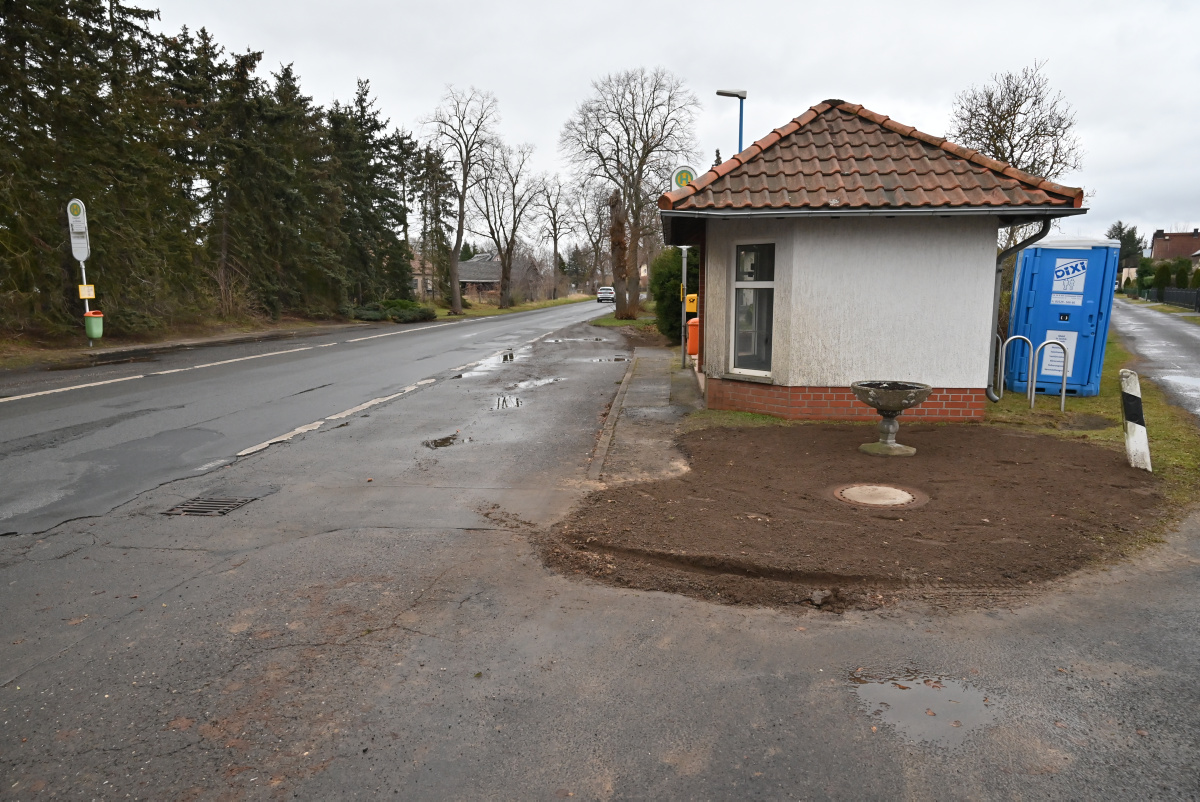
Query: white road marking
282, 438
376, 401
402, 331
72, 387
317, 424
239, 359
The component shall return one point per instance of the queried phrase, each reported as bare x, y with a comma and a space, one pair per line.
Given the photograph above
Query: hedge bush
665, 276
400, 311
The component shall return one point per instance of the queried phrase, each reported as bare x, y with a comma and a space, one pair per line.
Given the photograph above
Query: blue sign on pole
1063, 291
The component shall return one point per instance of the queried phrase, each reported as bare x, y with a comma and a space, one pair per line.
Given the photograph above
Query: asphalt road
78, 452
339, 638
1168, 348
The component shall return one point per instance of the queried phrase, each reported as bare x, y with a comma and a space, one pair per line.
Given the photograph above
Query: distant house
422, 279
479, 276
1173, 244
845, 246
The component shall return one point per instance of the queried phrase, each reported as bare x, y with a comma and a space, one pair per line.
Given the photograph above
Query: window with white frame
753, 308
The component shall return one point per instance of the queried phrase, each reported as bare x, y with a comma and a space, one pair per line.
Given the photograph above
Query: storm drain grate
208, 506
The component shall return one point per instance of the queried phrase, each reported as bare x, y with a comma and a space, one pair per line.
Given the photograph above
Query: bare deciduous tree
1017, 118
504, 203
552, 208
464, 127
589, 220
632, 132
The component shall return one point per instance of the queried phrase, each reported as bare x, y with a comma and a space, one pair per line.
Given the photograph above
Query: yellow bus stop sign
682, 177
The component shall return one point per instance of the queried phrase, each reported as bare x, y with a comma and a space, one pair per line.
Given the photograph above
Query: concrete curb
127, 353
610, 424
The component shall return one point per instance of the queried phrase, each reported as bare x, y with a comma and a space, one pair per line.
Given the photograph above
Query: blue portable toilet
1062, 290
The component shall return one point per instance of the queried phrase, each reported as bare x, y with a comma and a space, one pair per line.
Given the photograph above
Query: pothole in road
579, 340
925, 708
531, 383
610, 359
445, 442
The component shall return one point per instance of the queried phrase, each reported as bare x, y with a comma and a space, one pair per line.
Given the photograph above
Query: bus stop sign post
81, 249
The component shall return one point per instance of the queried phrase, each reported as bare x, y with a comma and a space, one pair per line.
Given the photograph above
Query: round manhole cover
878, 496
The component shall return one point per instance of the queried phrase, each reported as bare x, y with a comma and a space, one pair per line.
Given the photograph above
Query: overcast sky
1130, 70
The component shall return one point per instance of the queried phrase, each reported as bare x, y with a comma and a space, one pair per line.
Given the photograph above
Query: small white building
844, 247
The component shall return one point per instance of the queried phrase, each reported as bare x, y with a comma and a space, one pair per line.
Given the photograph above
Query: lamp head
738, 93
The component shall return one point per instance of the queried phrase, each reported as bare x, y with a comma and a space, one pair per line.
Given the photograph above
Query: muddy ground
756, 520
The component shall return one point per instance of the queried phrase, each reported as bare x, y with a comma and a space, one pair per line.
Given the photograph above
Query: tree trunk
505, 282
554, 270
618, 245
223, 289
633, 272
455, 289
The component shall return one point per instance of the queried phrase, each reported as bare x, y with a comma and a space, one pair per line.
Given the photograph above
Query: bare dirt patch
644, 336
756, 521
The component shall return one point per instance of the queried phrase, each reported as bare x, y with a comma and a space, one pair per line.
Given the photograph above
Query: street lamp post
740, 94
683, 307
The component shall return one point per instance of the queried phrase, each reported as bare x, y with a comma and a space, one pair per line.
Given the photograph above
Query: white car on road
606, 295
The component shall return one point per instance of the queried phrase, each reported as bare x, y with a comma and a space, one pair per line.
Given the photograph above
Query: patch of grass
644, 320
1175, 310
487, 310
1174, 436
723, 418
27, 350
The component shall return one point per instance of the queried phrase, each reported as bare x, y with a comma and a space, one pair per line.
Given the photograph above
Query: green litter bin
93, 324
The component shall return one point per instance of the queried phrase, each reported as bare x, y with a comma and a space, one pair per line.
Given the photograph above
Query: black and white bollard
1137, 445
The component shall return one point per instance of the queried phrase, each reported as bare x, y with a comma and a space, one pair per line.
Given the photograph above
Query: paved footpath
1168, 347
376, 623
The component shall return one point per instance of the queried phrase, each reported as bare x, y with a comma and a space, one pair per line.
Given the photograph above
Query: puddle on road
507, 402
531, 383
610, 359
925, 708
497, 361
441, 442
579, 340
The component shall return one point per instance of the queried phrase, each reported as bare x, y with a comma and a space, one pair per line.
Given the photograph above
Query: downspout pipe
1004, 254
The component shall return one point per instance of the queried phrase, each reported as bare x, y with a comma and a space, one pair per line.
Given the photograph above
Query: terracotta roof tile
840, 155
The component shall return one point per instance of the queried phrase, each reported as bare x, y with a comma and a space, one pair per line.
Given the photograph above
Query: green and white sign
682, 177
77, 224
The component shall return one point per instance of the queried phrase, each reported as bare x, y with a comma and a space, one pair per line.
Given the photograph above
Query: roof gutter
1004, 254
852, 211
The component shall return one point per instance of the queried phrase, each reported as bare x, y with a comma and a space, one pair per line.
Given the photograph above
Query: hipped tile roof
839, 155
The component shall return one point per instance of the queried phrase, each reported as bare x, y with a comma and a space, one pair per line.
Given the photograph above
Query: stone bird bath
889, 398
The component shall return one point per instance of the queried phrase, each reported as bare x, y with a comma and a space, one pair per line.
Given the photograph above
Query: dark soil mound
756, 521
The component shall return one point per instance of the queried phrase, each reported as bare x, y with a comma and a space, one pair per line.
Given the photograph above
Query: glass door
754, 308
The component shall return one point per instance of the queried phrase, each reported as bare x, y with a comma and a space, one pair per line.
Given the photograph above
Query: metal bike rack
1003, 351
1032, 385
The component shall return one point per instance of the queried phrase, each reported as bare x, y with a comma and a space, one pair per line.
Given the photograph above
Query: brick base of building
836, 403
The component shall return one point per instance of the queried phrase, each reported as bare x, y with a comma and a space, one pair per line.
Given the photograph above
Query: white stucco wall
868, 298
